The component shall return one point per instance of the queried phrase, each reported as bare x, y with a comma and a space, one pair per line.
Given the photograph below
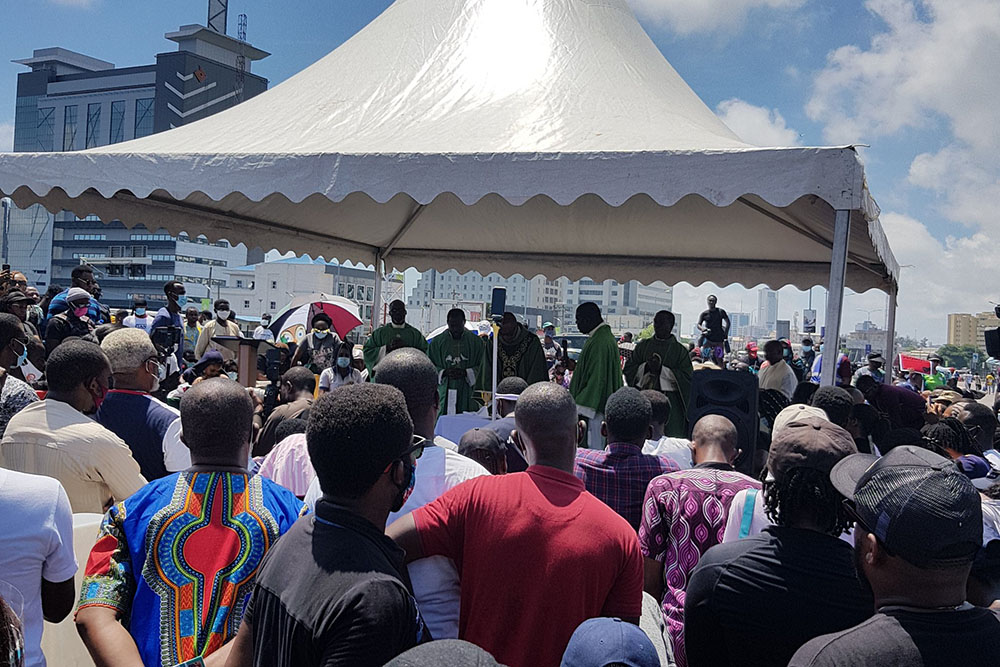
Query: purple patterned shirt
684, 513
619, 474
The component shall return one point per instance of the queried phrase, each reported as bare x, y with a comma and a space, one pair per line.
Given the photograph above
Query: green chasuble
381, 337
465, 353
674, 378
598, 371
523, 357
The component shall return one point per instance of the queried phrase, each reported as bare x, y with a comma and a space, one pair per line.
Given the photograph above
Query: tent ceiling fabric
435, 138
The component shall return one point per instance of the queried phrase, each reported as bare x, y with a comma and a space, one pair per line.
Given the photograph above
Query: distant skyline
913, 79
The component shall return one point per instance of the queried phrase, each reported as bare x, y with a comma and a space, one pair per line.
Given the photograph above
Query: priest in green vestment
457, 353
663, 363
520, 353
598, 371
391, 337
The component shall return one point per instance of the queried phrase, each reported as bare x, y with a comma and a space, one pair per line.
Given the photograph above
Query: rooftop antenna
218, 14
241, 59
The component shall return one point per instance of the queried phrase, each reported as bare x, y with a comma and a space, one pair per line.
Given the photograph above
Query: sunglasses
416, 450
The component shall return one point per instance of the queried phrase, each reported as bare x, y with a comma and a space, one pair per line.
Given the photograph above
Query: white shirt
759, 521
435, 579
36, 542
330, 379
263, 333
779, 376
136, 322
677, 450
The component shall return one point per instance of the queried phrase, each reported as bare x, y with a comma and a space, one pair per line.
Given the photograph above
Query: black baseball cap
918, 504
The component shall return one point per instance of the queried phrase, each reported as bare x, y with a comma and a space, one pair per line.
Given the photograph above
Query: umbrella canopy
294, 322
479, 328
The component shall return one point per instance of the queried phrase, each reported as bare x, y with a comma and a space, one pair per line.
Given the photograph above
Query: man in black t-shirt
714, 326
334, 590
918, 527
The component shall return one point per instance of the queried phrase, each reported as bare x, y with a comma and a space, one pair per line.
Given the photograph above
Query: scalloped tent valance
517, 136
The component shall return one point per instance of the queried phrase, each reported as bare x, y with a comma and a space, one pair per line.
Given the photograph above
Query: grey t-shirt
905, 638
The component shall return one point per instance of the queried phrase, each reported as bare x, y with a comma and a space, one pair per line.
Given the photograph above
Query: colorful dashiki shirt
178, 559
683, 515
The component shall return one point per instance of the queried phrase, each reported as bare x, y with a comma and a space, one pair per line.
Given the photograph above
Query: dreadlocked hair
11, 637
949, 433
808, 491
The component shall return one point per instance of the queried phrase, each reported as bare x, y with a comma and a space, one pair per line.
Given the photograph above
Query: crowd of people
319, 517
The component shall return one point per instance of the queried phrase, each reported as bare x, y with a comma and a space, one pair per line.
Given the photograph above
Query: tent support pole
890, 332
835, 303
377, 304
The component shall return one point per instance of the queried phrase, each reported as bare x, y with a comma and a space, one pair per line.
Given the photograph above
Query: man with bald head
395, 335
563, 556
175, 563
684, 513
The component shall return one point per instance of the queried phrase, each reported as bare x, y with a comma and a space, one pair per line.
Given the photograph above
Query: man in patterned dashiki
175, 563
684, 514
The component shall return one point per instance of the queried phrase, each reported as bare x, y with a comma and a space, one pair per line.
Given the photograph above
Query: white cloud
6, 137
757, 125
695, 16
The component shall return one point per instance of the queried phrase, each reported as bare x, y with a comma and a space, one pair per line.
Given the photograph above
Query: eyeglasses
416, 450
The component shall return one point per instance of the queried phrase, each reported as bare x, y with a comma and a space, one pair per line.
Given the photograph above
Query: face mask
232, 376
806, 349
22, 358
99, 399
223, 315
140, 312
182, 300
821, 349
81, 311
343, 362
30, 372
406, 488
266, 323
321, 334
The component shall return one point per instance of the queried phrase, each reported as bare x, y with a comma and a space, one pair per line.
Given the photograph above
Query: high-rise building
767, 309
968, 329
70, 101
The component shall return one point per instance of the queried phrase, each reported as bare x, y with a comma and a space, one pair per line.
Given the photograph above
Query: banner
809, 320
911, 364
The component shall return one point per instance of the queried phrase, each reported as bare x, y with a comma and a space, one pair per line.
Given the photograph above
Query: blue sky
914, 79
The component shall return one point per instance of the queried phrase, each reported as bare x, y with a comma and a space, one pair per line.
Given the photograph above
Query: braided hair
949, 433
11, 637
804, 490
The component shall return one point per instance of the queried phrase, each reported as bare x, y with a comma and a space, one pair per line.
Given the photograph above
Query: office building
69, 101
767, 310
968, 329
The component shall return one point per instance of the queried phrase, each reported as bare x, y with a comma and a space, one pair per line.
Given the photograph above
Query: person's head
265, 320
456, 322
609, 642
222, 312
916, 380
16, 303
20, 280
133, 359
358, 357
485, 447
627, 337
773, 351
950, 438
918, 523
626, 417
588, 316
804, 392
508, 390
79, 374
714, 439
297, 382
835, 402
663, 324
875, 361
32, 293
204, 316
549, 329
210, 364
547, 426
139, 306
345, 356
983, 587
867, 422
360, 440
119, 317
659, 412
508, 326
11, 634
978, 419
77, 301
558, 372
13, 342
798, 491
176, 295
868, 386
712, 300
807, 345
82, 276
289, 427
211, 438
410, 371
397, 312
191, 315
321, 323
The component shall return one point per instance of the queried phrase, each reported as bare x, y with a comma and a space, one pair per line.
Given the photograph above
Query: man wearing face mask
15, 394
393, 336
222, 325
317, 351
55, 437
360, 440
139, 319
170, 315
73, 322
262, 332
151, 429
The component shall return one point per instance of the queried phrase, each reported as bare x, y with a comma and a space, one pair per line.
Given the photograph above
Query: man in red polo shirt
534, 549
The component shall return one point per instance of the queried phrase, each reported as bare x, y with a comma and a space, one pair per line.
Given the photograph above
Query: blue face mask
321, 334
806, 349
821, 348
343, 362
140, 311
182, 300
22, 358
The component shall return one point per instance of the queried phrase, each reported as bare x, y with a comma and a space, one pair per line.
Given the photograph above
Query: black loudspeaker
732, 394
499, 303
993, 342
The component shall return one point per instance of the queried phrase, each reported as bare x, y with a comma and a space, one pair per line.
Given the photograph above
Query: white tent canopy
516, 136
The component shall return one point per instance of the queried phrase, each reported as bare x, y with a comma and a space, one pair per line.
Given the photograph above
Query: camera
166, 339
272, 370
